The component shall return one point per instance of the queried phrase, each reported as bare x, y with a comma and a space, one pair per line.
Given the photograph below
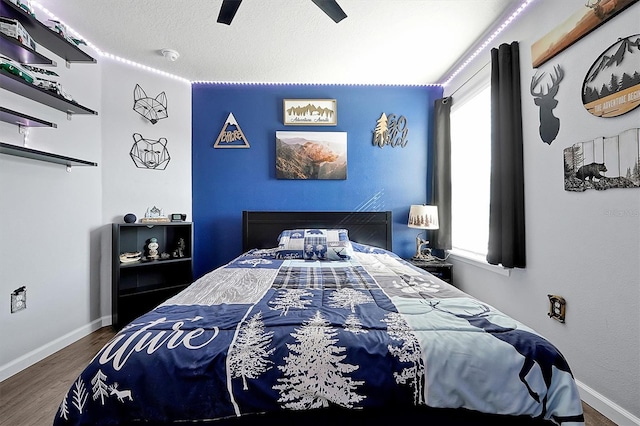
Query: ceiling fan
330, 7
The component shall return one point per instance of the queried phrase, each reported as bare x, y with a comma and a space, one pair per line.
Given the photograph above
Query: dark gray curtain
506, 212
441, 173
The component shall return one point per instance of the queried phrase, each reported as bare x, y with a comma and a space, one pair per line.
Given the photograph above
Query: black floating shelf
43, 35
33, 154
17, 118
17, 51
18, 85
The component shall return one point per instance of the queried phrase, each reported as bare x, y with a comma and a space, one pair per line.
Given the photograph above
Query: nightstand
440, 269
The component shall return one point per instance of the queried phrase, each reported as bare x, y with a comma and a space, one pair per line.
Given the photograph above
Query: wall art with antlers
545, 99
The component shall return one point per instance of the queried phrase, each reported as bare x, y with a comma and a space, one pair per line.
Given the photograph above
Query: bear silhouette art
590, 171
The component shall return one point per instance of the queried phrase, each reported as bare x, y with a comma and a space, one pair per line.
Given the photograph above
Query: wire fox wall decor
153, 109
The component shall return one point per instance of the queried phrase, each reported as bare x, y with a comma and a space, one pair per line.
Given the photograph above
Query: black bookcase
140, 286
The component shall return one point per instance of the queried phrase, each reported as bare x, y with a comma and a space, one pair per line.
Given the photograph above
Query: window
470, 171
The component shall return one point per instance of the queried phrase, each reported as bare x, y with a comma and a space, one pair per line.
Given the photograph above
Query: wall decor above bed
311, 155
231, 135
612, 85
153, 109
310, 112
604, 162
149, 153
391, 130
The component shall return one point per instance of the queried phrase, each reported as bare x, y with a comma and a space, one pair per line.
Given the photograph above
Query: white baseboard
28, 359
606, 407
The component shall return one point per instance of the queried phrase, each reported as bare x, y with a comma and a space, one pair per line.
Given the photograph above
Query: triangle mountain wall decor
231, 135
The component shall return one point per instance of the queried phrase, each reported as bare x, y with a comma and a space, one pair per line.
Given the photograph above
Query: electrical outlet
557, 307
19, 299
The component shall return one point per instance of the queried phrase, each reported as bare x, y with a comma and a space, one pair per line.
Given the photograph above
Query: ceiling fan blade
332, 9
228, 11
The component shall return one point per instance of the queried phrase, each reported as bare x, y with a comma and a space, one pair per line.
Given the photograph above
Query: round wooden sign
612, 85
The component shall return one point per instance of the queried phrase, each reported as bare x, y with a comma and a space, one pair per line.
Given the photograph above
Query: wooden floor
32, 397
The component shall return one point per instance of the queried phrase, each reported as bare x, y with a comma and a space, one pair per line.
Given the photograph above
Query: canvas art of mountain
311, 155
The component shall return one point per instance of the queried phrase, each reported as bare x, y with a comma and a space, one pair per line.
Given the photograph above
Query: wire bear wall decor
153, 109
149, 153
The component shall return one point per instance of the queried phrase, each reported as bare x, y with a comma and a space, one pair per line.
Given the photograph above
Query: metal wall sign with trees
612, 85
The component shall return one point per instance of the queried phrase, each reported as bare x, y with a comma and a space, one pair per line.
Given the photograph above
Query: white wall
125, 187
55, 226
47, 221
583, 246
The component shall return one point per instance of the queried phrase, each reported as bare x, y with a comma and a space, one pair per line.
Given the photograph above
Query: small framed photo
310, 112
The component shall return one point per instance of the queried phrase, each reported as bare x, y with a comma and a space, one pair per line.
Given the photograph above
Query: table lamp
423, 217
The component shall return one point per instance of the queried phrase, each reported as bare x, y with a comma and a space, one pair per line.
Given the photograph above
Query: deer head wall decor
549, 123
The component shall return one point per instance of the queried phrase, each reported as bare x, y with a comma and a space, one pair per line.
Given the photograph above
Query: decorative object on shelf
31, 74
179, 252
26, 6
311, 155
549, 124
130, 257
310, 112
60, 29
16, 69
153, 109
423, 217
557, 307
130, 218
22, 81
151, 249
586, 163
153, 215
149, 153
390, 130
231, 135
589, 17
612, 84
178, 217
165, 256
13, 28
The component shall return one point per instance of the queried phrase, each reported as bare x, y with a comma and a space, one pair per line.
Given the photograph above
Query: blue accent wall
227, 181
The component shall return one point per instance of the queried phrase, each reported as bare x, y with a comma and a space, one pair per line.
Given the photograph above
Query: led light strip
486, 43
106, 54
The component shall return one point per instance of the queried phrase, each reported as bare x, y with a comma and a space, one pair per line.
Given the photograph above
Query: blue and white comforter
263, 334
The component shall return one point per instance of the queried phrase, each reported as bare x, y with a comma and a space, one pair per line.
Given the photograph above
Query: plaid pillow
314, 244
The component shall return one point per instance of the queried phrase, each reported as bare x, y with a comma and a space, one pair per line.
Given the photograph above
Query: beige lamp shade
423, 217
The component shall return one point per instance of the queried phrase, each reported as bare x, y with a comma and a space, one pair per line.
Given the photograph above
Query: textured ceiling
288, 41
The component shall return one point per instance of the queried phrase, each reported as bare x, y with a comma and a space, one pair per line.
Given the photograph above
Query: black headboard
260, 229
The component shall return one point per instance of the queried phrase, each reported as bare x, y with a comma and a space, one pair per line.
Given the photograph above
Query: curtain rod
469, 79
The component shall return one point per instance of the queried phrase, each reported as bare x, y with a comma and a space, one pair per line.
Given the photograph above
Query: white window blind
470, 171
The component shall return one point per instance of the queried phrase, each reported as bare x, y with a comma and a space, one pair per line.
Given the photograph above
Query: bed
318, 321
